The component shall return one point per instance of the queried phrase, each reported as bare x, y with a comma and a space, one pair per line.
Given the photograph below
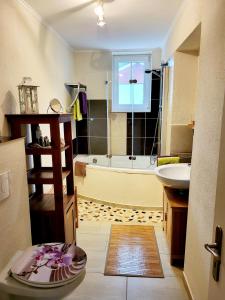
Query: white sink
176, 176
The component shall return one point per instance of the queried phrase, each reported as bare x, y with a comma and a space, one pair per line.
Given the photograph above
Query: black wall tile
98, 127
139, 127
156, 89
98, 145
129, 128
93, 128
148, 146
129, 146
82, 145
145, 124
82, 128
139, 146
150, 127
97, 109
75, 147
139, 115
154, 109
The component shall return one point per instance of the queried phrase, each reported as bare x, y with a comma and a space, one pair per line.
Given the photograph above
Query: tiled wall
144, 125
91, 132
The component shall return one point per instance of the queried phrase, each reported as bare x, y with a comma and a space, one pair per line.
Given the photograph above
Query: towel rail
79, 86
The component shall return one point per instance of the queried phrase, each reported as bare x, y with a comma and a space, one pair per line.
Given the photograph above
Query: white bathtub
120, 181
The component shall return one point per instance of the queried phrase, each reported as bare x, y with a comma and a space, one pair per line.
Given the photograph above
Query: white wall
179, 103
187, 19
205, 158
14, 211
185, 88
29, 48
91, 69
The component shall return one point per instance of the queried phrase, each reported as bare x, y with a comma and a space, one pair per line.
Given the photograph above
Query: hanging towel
76, 111
83, 102
164, 160
80, 169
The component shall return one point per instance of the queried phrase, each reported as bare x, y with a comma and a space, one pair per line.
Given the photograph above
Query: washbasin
176, 176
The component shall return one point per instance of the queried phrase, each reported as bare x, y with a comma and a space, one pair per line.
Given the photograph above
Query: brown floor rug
133, 251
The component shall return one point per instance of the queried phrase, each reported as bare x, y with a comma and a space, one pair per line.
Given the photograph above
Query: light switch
4, 185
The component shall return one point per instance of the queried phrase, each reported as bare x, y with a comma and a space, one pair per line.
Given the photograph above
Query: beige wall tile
181, 139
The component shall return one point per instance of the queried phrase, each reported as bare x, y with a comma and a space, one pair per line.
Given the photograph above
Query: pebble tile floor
94, 211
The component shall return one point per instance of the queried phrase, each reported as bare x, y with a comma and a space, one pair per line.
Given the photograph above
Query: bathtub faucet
153, 160
132, 157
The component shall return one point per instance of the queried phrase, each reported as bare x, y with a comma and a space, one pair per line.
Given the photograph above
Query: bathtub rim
123, 170
83, 158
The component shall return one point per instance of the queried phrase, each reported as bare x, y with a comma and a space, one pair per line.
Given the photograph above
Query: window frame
132, 58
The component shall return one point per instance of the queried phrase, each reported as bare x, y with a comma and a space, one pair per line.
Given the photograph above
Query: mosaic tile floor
93, 211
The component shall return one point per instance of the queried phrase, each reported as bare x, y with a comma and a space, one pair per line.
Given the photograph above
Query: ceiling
131, 24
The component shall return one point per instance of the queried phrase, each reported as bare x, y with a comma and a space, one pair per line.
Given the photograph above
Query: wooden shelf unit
175, 207
44, 151
44, 175
53, 216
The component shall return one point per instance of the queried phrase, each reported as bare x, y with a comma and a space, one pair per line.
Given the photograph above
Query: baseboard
187, 286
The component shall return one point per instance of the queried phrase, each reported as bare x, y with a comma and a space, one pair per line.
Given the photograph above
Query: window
131, 85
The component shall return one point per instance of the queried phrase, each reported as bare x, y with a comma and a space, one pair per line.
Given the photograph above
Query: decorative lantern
28, 97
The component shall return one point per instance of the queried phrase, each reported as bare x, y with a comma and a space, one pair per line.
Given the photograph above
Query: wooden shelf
44, 151
44, 175
38, 118
42, 203
53, 216
45, 203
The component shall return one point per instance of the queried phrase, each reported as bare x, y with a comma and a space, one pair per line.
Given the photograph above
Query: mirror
55, 106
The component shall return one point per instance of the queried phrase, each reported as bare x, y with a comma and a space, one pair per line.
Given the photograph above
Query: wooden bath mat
133, 251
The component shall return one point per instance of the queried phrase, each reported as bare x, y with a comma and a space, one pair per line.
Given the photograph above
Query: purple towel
83, 102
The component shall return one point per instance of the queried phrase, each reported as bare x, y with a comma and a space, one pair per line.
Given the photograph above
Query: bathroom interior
126, 135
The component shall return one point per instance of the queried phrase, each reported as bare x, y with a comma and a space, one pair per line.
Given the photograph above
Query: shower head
164, 64
148, 71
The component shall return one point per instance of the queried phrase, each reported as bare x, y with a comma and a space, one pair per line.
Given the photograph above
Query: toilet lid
49, 265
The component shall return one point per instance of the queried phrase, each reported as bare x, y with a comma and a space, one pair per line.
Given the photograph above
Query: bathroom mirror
55, 106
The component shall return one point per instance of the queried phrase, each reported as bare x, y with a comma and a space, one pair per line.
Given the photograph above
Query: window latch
132, 81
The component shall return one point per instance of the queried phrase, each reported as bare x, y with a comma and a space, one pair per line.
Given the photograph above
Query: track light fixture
99, 11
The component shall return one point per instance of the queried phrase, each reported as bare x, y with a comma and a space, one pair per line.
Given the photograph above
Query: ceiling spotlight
101, 21
99, 11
